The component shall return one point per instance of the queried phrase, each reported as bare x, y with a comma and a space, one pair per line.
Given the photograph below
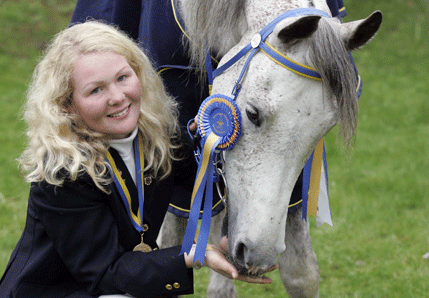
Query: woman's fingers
216, 260
193, 125
255, 279
224, 244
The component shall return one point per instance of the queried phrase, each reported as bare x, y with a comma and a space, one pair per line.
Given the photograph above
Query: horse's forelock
333, 62
215, 24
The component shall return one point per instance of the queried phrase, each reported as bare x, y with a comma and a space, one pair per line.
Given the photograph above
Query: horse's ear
300, 29
358, 33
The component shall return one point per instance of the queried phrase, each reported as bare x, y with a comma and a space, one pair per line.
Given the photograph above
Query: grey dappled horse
284, 116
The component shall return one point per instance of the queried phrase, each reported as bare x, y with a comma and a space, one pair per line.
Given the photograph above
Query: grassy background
379, 194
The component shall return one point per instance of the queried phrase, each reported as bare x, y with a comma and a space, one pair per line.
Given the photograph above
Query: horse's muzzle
250, 260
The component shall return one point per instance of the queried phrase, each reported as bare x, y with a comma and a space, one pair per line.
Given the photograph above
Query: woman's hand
193, 125
215, 259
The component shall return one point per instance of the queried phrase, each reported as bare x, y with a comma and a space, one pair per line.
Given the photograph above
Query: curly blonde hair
61, 141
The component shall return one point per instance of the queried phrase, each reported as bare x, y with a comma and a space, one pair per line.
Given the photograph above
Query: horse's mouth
250, 271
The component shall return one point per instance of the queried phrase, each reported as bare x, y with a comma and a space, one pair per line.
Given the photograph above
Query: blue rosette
219, 114
219, 125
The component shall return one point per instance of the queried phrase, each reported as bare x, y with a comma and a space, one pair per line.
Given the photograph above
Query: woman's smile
117, 115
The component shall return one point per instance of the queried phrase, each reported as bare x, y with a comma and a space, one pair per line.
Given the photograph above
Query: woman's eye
122, 78
253, 116
95, 90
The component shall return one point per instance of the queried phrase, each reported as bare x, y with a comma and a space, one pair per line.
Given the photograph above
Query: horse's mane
216, 24
333, 61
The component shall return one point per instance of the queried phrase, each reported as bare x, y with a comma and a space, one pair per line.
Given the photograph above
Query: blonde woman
103, 155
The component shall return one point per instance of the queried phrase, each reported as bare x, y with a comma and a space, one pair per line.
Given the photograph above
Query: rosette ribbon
219, 126
315, 199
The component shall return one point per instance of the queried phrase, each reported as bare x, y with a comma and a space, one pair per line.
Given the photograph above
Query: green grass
25, 27
379, 194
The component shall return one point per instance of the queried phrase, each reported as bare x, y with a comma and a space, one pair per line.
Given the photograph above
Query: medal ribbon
136, 219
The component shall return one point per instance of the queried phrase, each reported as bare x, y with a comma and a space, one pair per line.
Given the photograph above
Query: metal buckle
220, 171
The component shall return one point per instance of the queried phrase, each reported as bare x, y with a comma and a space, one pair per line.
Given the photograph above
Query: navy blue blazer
78, 242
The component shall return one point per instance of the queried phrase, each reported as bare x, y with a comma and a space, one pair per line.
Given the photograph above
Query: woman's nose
116, 95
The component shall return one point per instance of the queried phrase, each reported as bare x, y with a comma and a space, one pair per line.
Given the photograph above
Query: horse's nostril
239, 253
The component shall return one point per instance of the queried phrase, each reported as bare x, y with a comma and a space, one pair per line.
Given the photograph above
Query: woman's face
106, 93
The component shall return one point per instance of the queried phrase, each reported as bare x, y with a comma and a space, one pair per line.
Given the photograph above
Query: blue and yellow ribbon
315, 202
203, 182
136, 219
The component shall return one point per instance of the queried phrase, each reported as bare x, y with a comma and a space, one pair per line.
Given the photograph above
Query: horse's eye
253, 115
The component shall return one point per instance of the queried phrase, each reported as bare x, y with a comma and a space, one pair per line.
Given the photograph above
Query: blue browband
258, 43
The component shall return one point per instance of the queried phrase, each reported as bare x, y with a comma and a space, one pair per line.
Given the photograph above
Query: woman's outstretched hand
216, 260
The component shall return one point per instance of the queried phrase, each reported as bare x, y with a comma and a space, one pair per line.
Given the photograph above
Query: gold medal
142, 247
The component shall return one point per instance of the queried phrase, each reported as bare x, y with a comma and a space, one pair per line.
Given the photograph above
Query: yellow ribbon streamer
210, 142
316, 170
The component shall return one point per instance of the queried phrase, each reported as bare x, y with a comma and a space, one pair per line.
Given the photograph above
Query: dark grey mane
219, 24
332, 60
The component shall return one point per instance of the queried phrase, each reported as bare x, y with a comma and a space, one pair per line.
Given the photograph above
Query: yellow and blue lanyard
136, 219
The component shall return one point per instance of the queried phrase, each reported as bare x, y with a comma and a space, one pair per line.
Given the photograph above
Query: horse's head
284, 116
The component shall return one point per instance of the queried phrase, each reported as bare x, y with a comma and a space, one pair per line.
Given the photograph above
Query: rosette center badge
220, 115
220, 124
